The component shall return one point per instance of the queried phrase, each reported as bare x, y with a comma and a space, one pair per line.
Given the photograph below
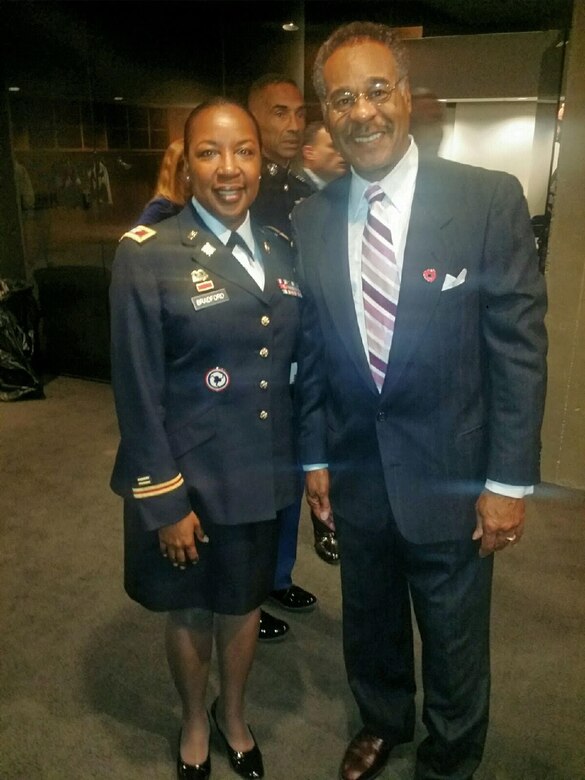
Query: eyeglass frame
364, 94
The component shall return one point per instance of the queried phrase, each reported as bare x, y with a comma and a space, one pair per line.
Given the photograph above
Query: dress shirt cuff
315, 466
513, 491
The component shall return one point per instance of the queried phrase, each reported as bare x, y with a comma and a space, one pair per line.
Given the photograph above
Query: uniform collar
220, 230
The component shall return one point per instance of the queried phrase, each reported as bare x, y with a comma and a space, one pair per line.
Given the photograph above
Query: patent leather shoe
365, 757
271, 629
247, 763
326, 547
294, 598
192, 771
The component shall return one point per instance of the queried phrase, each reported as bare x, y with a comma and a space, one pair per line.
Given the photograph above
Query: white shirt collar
397, 184
221, 231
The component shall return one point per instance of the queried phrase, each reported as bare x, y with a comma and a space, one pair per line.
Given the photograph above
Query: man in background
279, 108
322, 162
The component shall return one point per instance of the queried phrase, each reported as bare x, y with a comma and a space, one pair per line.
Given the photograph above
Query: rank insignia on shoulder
139, 234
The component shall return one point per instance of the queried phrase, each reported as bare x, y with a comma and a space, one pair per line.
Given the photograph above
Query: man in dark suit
420, 455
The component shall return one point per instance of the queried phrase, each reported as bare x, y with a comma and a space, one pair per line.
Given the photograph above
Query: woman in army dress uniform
204, 324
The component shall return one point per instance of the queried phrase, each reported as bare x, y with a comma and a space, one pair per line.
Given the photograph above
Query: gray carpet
84, 687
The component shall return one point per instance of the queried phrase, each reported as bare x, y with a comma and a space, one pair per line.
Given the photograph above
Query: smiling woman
222, 149
206, 460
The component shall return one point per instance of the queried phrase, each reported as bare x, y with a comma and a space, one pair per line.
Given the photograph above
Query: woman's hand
177, 541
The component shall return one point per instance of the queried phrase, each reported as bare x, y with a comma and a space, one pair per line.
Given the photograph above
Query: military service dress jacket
201, 363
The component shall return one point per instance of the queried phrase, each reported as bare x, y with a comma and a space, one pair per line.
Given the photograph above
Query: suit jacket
200, 370
464, 391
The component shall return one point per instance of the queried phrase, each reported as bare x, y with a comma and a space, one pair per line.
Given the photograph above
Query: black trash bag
19, 318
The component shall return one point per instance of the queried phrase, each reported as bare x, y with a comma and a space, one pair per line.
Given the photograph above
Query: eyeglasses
342, 102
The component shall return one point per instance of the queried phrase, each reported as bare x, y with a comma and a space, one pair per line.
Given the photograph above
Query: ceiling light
14, 89
290, 27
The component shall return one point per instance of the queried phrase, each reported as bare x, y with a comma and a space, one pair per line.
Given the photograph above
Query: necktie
236, 239
380, 286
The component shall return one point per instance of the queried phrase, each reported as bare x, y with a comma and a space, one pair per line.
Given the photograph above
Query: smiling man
421, 380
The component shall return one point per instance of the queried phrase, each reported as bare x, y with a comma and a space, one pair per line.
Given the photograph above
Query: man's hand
500, 521
317, 492
177, 541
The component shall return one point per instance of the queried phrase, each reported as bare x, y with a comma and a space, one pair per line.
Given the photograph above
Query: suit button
264, 352
265, 320
263, 414
381, 416
263, 384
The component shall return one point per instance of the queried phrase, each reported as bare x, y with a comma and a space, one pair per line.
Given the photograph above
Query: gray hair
354, 33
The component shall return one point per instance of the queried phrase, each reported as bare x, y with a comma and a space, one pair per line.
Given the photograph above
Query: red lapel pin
429, 275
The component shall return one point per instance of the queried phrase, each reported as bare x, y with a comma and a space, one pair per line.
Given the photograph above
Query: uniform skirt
234, 575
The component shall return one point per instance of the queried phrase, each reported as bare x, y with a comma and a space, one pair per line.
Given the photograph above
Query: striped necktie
380, 286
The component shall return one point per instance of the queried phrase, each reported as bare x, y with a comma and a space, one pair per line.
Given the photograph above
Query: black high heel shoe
246, 764
192, 771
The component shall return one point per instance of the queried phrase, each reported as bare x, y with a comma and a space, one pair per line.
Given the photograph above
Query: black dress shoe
246, 764
271, 629
192, 771
294, 598
326, 547
365, 757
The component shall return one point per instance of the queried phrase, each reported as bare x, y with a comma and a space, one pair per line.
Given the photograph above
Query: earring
188, 177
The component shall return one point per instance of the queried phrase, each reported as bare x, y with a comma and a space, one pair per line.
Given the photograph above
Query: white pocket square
454, 281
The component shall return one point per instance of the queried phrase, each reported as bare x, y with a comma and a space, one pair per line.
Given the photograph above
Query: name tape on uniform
211, 299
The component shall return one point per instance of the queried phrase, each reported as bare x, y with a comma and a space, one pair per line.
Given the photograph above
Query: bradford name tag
209, 299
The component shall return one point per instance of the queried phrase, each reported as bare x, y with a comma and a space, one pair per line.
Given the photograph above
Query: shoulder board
139, 234
277, 232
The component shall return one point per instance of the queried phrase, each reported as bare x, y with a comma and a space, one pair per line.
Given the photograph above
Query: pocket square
454, 281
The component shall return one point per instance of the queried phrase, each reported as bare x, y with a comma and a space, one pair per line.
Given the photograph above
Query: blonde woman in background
171, 191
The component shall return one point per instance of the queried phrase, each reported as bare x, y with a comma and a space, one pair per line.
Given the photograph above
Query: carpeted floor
84, 687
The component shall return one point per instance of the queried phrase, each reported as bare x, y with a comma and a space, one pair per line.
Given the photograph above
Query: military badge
289, 287
217, 379
199, 275
207, 249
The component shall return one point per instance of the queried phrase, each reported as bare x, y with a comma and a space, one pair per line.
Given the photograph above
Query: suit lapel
423, 272
335, 278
